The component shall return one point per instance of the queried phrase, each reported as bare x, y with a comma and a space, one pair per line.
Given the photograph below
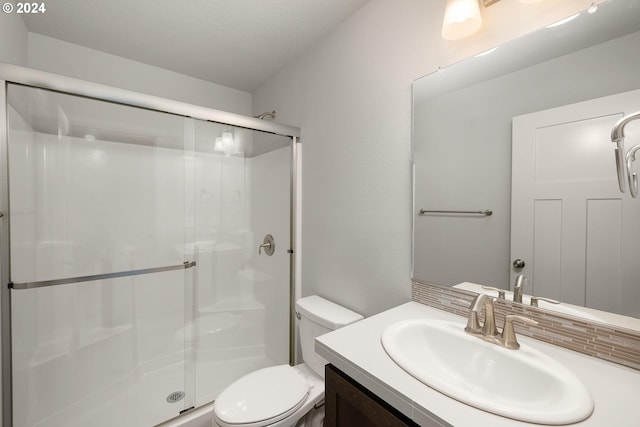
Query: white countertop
356, 350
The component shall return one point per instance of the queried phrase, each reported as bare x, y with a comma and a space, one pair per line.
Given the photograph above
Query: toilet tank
319, 316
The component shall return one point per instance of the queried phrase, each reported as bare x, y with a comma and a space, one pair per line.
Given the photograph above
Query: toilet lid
262, 397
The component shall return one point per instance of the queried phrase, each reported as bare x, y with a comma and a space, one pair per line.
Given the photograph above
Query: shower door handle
104, 276
268, 244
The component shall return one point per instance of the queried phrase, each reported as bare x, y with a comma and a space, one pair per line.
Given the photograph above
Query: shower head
271, 114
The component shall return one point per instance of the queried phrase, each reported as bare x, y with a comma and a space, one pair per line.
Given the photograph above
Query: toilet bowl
280, 396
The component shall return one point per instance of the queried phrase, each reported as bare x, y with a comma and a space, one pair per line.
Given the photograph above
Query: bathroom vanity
347, 403
364, 378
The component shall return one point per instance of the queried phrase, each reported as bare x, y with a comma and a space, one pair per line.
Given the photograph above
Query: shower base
141, 398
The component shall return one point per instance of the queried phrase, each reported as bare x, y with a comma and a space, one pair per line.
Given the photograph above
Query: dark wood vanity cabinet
348, 404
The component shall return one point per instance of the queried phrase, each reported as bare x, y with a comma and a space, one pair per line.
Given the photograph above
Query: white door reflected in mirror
568, 216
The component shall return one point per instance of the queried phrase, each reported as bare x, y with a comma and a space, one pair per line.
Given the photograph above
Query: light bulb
461, 19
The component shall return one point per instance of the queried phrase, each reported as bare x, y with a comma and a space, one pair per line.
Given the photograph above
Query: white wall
56, 56
351, 95
13, 39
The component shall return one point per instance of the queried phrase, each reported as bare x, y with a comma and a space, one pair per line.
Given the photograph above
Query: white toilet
280, 396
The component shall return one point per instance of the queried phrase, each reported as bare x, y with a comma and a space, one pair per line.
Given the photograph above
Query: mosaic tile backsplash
600, 340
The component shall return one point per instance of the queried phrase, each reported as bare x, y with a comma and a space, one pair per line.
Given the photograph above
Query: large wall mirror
515, 171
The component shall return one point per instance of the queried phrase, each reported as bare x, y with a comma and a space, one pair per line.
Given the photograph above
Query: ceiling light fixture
462, 18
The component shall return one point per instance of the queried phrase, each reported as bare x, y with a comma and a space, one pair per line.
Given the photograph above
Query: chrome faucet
518, 288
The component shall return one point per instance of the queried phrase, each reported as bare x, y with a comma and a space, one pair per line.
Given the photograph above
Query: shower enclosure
133, 287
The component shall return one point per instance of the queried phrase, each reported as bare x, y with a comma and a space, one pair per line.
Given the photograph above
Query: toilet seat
261, 398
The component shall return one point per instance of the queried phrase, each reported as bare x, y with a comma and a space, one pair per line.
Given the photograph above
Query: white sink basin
522, 384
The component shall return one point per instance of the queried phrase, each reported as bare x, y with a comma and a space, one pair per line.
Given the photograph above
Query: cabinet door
348, 404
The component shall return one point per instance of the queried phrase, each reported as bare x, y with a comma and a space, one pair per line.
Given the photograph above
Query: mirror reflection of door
578, 235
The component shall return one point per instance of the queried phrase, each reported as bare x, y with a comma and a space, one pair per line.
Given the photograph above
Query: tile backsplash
600, 340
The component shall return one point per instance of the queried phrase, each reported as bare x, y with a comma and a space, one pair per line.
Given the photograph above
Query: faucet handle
501, 292
509, 334
534, 301
268, 244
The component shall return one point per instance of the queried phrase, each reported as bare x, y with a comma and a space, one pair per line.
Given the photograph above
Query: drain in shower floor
176, 396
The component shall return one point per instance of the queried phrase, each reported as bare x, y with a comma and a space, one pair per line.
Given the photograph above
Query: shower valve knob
268, 244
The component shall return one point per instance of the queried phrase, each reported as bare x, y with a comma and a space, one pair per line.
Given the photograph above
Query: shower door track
10, 73
44, 283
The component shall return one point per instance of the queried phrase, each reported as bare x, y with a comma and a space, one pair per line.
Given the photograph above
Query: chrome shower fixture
617, 136
262, 116
632, 176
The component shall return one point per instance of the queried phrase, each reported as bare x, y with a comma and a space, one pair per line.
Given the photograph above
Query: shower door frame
24, 76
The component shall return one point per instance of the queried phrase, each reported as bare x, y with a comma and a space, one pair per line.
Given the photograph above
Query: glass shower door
101, 291
241, 297
142, 283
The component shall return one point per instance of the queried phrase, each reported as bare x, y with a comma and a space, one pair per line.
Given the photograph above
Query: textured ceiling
236, 43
